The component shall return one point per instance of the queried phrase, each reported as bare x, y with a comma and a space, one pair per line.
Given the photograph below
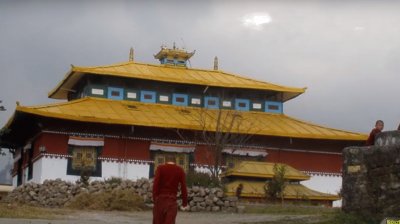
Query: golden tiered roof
263, 170
99, 110
253, 175
256, 189
170, 74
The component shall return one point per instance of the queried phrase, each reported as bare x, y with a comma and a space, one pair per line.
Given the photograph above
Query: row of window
180, 99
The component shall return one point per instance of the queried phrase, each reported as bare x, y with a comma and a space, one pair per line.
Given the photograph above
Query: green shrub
194, 178
113, 180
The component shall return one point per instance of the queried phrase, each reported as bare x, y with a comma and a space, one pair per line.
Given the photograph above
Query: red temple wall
126, 148
139, 150
54, 143
203, 155
307, 161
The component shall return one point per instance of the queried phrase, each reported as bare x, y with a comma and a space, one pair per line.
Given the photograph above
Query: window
163, 98
211, 102
274, 107
182, 160
96, 91
115, 93
131, 95
257, 106
148, 96
196, 101
84, 159
227, 103
180, 99
242, 104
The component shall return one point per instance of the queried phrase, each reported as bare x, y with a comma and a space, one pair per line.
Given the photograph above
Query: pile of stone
210, 199
57, 193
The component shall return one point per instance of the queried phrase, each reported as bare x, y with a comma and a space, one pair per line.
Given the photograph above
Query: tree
220, 129
3, 130
2, 108
276, 186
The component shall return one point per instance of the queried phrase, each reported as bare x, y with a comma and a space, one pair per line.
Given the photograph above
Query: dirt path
146, 218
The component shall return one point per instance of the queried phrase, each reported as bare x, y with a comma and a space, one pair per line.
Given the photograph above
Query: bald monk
378, 129
165, 187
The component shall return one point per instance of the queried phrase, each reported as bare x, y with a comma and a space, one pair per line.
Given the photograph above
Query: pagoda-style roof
263, 170
170, 74
256, 189
108, 111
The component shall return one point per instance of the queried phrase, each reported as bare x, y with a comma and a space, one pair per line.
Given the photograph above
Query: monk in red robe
378, 128
165, 187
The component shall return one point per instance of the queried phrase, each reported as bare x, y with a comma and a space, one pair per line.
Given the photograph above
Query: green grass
289, 209
299, 214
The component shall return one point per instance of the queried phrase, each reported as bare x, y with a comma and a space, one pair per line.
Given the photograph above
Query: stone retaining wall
57, 193
371, 177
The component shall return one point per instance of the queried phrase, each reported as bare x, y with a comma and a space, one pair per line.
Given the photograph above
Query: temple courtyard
259, 214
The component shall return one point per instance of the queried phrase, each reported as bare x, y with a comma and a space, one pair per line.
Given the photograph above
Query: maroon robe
165, 187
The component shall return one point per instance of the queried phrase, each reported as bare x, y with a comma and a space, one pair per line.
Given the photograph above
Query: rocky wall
57, 193
371, 177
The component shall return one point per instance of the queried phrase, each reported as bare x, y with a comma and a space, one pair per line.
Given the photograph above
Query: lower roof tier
108, 111
256, 189
264, 170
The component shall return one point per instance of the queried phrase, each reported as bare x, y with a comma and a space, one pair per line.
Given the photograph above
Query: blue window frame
179, 99
115, 93
211, 102
273, 107
242, 104
148, 96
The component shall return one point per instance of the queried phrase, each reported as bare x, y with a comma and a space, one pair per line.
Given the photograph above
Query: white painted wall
53, 168
14, 181
37, 171
125, 170
325, 184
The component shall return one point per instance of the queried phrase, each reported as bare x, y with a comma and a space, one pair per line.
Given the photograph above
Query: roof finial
215, 63
131, 54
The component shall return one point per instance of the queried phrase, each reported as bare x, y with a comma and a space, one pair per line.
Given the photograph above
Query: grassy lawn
30, 212
298, 214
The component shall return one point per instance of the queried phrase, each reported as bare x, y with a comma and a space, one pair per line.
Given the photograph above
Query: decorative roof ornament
175, 56
216, 63
131, 54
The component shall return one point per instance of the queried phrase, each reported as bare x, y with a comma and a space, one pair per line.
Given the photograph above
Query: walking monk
165, 187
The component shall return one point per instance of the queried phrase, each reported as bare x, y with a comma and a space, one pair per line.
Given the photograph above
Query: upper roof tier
107, 111
170, 74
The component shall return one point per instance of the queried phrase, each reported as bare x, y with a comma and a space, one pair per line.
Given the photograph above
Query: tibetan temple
252, 176
122, 119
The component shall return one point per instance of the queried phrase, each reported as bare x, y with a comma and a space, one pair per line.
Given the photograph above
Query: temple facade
121, 120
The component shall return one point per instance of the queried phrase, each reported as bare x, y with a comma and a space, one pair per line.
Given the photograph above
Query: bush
113, 180
194, 178
121, 200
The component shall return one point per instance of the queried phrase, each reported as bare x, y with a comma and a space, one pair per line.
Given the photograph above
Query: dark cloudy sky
346, 52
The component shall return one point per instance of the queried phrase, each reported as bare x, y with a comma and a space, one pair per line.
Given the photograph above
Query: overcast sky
346, 52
